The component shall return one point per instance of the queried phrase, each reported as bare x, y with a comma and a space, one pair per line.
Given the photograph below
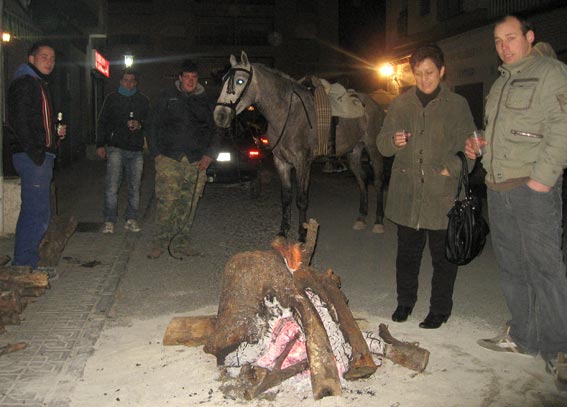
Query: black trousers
411, 243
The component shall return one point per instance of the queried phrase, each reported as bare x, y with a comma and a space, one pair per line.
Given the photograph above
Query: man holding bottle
33, 137
120, 140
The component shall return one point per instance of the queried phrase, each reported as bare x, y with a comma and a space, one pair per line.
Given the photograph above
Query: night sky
362, 32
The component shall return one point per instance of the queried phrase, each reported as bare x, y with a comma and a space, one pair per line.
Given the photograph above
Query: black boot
401, 313
434, 321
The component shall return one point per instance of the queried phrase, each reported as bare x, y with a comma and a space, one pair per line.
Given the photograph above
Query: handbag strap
463, 177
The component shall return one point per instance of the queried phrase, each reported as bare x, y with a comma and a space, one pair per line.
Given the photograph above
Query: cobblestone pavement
62, 326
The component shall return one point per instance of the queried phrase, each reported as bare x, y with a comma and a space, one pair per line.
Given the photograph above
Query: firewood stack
19, 285
252, 283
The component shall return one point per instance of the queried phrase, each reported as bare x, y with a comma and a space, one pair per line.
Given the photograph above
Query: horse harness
230, 89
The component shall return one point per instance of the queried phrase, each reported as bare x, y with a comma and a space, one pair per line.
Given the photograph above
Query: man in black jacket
33, 138
182, 138
120, 140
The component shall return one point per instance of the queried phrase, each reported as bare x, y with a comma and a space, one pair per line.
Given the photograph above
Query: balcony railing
502, 7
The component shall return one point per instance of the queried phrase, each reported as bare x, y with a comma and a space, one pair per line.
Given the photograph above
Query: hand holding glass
401, 137
478, 142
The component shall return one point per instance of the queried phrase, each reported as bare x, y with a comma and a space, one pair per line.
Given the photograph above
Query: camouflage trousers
178, 187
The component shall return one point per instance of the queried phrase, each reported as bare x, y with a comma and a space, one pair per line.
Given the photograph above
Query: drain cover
89, 227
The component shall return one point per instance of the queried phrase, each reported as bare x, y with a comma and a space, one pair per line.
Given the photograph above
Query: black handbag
467, 229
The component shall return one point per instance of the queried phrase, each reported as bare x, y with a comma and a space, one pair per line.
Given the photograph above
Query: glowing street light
6, 37
386, 70
128, 60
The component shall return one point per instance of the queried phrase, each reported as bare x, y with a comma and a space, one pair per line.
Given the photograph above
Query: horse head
236, 94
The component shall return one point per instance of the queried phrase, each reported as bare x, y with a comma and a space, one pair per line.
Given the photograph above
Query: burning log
261, 379
278, 317
251, 277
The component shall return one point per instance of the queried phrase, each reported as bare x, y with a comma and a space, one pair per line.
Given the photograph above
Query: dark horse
289, 109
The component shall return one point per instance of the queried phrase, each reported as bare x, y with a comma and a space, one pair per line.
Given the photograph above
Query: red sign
101, 64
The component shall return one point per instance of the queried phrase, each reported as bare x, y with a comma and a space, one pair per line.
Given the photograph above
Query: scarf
127, 92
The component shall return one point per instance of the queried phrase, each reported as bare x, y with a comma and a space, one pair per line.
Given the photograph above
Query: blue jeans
119, 161
35, 210
526, 235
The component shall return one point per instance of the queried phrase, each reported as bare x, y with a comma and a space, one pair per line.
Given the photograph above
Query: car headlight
223, 157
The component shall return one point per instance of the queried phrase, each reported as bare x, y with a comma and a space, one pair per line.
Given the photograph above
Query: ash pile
280, 319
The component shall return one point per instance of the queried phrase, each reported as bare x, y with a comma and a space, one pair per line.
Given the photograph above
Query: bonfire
278, 317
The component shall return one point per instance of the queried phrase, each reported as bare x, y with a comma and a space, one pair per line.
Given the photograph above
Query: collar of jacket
518, 66
29, 69
200, 89
443, 94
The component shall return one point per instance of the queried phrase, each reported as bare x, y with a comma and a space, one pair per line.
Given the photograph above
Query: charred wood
12, 347
58, 233
189, 331
407, 354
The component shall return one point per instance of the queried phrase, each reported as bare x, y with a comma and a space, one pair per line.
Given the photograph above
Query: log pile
19, 285
283, 276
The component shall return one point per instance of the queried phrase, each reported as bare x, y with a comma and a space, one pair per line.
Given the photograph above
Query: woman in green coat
424, 129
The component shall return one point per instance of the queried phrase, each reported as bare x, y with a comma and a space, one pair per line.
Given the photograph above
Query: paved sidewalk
62, 327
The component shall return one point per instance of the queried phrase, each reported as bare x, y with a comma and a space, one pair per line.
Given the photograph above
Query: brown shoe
155, 253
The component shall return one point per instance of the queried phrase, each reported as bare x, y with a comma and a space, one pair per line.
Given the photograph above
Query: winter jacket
30, 119
182, 125
526, 122
113, 121
418, 195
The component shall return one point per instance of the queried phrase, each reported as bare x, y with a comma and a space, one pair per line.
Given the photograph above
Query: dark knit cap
189, 66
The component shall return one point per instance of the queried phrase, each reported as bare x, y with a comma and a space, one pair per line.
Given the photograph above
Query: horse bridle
230, 88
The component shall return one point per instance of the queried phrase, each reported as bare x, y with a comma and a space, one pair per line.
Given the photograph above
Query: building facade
68, 26
463, 29
296, 37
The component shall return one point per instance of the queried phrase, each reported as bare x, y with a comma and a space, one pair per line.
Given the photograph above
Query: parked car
239, 160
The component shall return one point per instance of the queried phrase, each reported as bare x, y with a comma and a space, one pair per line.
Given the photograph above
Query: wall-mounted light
386, 70
128, 60
6, 37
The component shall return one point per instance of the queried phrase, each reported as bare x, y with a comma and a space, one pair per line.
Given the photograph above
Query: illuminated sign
101, 64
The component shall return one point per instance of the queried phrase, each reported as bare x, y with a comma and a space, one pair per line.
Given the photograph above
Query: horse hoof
377, 228
359, 225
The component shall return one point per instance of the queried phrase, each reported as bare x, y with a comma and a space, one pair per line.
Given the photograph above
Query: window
449, 8
403, 23
424, 7
306, 6
254, 31
130, 1
218, 31
125, 39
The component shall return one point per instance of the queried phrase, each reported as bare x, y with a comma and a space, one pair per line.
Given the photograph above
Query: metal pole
1, 119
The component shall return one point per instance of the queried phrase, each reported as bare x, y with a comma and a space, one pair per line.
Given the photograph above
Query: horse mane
276, 72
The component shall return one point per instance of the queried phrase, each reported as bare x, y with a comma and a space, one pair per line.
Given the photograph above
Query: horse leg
355, 165
303, 175
284, 171
377, 162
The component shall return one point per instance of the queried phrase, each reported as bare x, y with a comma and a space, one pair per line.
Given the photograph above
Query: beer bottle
130, 118
59, 122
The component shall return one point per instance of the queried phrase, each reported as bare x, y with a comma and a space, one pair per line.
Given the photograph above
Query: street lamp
6, 37
128, 60
386, 70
